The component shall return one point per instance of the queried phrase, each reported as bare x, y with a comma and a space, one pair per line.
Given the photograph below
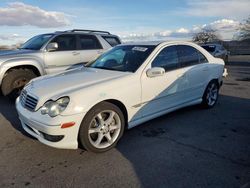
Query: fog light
52, 138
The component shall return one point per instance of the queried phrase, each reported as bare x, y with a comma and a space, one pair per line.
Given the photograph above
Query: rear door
90, 48
65, 57
195, 68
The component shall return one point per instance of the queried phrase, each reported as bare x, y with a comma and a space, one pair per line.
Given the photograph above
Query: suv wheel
102, 128
211, 94
15, 80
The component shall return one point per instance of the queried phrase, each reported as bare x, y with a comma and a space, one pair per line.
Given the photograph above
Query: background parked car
51, 53
217, 50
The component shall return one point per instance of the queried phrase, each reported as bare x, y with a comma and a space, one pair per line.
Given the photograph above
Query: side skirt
168, 110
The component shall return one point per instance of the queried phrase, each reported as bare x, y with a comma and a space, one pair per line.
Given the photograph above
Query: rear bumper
48, 130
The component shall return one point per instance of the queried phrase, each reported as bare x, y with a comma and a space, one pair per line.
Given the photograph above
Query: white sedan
128, 85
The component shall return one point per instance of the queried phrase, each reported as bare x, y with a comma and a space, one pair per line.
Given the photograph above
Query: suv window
89, 42
113, 41
65, 42
187, 55
167, 59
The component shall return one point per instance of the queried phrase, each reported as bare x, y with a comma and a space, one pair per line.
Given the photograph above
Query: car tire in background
101, 128
14, 81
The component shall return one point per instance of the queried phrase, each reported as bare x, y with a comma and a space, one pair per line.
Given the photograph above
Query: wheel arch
121, 106
32, 64
117, 103
30, 67
216, 80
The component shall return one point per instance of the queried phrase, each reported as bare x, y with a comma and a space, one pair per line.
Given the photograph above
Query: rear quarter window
188, 55
113, 41
202, 58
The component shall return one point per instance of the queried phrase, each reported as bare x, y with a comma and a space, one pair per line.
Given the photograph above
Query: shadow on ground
191, 147
8, 110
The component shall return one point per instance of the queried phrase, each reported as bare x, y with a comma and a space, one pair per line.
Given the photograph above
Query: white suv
126, 86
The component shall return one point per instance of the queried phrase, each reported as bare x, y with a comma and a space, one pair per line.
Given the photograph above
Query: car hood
15, 52
61, 84
9, 54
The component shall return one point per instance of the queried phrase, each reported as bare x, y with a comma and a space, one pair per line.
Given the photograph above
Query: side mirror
155, 71
52, 46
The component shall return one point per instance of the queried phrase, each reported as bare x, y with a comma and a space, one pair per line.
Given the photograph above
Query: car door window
65, 42
167, 59
188, 55
89, 42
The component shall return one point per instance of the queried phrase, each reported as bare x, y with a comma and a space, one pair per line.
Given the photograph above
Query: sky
132, 20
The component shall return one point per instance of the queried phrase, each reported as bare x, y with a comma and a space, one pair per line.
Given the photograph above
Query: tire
95, 128
14, 81
211, 94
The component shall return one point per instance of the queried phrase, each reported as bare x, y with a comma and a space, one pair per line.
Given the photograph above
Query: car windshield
127, 58
209, 48
37, 42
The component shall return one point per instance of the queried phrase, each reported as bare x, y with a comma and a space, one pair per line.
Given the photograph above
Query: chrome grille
28, 101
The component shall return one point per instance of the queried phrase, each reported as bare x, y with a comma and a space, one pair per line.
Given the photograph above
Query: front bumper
48, 130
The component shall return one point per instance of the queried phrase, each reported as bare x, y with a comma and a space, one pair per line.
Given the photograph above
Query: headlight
54, 108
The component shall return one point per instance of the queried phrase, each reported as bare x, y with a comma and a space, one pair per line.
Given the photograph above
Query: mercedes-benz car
126, 86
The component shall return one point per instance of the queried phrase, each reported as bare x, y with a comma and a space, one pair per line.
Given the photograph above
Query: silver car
51, 53
217, 50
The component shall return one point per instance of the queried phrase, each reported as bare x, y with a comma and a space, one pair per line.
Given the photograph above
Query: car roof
144, 43
160, 43
84, 32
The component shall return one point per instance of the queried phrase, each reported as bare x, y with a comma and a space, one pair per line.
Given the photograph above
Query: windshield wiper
105, 68
26, 49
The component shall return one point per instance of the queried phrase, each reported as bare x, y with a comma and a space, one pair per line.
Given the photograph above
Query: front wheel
14, 81
102, 128
210, 95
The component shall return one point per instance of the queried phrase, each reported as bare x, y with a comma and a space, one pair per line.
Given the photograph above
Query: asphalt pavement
191, 147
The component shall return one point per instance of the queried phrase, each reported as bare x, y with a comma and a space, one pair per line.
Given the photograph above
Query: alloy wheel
212, 94
104, 129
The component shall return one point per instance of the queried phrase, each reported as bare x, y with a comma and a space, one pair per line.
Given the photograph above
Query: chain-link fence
237, 47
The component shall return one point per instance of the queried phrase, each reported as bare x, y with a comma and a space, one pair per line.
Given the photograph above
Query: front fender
17, 62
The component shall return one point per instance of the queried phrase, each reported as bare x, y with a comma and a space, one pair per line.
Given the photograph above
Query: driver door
165, 91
